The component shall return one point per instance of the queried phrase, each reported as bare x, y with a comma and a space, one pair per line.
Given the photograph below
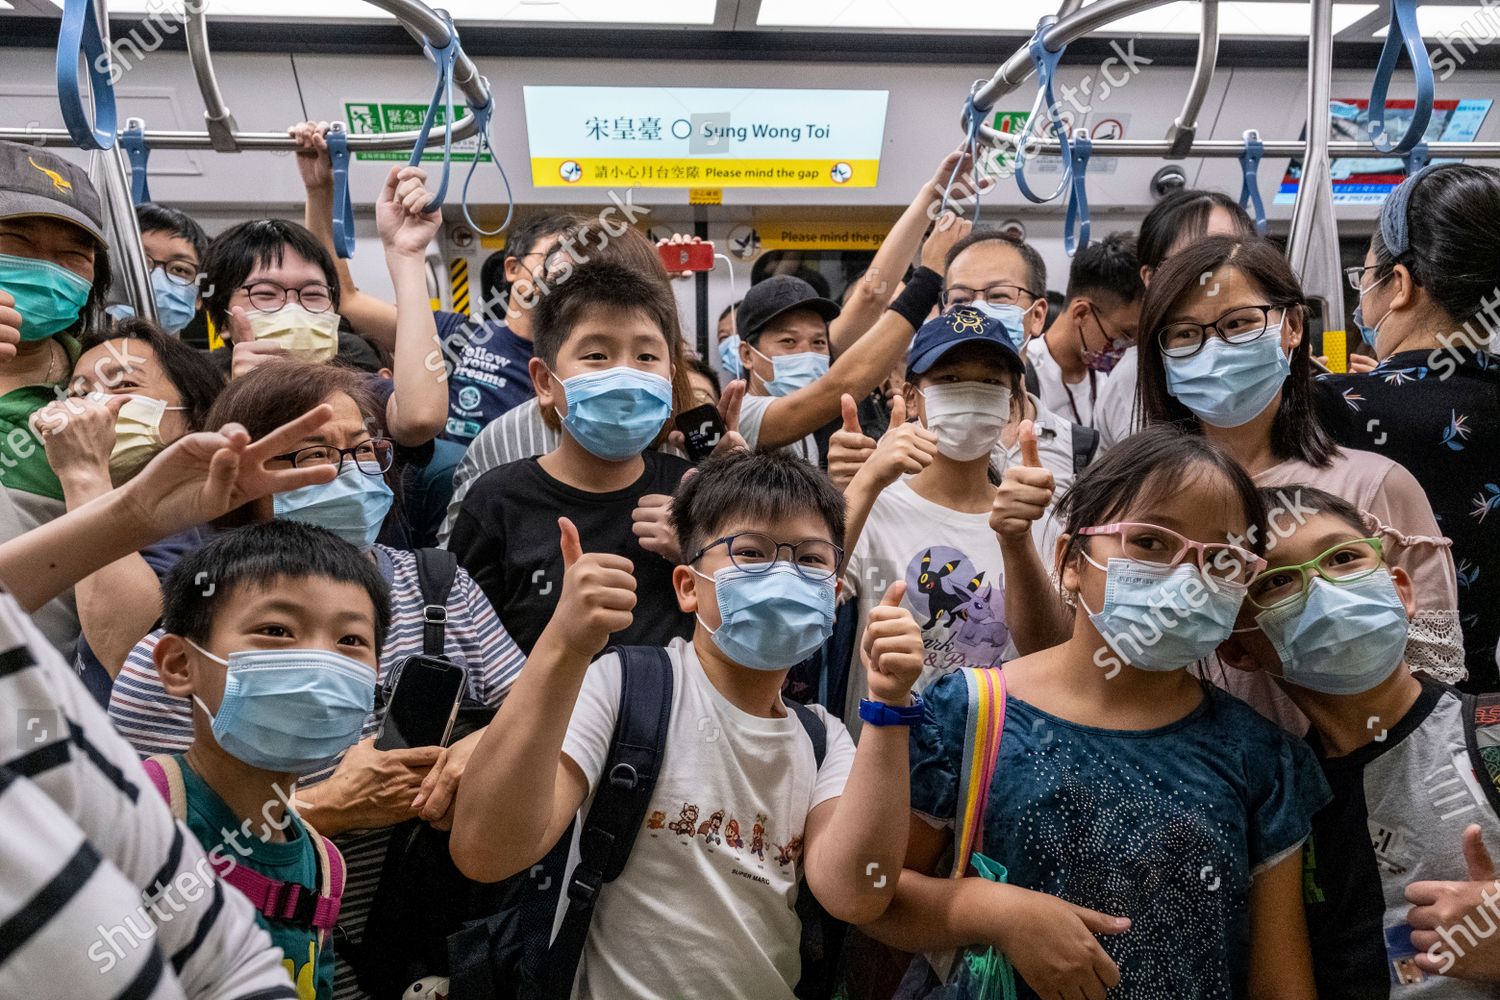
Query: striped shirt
102, 894
154, 721
515, 434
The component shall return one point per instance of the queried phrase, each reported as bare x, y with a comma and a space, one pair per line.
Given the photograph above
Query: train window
830, 272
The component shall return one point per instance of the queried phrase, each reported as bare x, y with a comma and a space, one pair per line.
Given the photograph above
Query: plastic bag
976, 973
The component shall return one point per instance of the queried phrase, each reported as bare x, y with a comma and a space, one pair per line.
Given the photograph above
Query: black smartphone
701, 427
423, 705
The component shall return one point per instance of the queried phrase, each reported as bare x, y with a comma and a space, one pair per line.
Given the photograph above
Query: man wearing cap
794, 387
54, 271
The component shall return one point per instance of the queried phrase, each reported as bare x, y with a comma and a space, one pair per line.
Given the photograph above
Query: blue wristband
878, 713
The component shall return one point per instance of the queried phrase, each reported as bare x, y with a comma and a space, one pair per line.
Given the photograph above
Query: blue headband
1393, 228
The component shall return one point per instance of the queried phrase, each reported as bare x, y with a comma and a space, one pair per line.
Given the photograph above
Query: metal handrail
1185, 128
1313, 246
1231, 148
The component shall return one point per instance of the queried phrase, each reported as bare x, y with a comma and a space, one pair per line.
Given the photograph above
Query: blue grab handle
1250, 199
1403, 33
1418, 158
1078, 196
79, 34
482, 117
343, 206
973, 119
1045, 61
446, 58
133, 140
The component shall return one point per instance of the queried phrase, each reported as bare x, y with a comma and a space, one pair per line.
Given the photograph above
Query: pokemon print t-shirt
704, 907
954, 584
1166, 826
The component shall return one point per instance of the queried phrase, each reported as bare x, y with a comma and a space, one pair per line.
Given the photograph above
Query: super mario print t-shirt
705, 905
954, 577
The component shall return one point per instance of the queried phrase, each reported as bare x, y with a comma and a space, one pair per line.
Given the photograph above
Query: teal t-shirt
292, 860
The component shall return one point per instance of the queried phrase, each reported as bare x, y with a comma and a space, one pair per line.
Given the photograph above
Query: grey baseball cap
34, 182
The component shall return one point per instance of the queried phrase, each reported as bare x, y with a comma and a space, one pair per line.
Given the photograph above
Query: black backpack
507, 956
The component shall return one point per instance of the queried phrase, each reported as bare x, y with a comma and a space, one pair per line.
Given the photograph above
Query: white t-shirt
704, 907
1114, 410
753, 411
1075, 400
951, 563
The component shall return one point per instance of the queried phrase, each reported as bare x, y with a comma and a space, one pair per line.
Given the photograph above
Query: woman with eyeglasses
357, 801
1149, 825
1429, 290
1223, 353
1328, 620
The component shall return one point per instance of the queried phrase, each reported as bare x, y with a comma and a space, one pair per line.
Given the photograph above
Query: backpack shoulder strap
1481, 715
984, 725
436, 571
621, 801
1085, 443
330, 884
813, 726
166, 775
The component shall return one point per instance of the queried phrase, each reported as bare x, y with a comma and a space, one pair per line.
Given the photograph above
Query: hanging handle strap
343, 206
446, 58
1078, 197
79, 34
133, 140
973, 119
1418, 158
1250, 199
1045, 61
482, 116
1402, 33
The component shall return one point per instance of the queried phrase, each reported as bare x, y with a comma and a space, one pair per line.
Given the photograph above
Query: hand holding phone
680, 258
423, 705
701, 428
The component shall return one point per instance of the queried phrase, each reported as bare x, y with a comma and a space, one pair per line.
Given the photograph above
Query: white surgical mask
967, 417
306, 336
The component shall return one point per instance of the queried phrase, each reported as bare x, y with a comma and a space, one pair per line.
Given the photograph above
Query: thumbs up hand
891, 648
849, 447
1441, 905
598, 595
1025, 490
904, 449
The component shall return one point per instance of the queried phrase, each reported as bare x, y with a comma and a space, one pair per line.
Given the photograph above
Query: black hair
1184, 214
600, 284
1310, 499
1453, 231
1299, 430
1055, 302
729, 309
1146, 468
154, 218
240, 249
698, 366
1109, 268
521, 241
197, 379
759, 486
262, 554
1036, 268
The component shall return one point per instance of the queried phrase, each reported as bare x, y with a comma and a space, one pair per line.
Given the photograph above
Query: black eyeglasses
754, 552
373, 457
1356, 275
267, 296
1237, 326
179, 272
995, 295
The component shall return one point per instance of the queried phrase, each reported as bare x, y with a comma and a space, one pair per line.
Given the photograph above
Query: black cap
777, 295
34, 182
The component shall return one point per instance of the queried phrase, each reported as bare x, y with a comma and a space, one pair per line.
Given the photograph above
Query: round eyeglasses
1237, 326
754, 552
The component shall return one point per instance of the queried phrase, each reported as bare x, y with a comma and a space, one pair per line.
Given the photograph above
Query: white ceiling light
634, 12
1237, 17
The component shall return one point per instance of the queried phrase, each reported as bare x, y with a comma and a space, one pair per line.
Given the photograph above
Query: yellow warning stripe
458, 281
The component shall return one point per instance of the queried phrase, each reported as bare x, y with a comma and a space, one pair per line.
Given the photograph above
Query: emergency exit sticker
370, 118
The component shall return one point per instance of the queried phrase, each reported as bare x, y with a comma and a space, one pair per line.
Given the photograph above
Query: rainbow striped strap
983, 728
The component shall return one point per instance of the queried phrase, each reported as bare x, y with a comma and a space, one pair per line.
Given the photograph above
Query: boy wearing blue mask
1397, 860
273, 631
741, 811
604, 362
175, 246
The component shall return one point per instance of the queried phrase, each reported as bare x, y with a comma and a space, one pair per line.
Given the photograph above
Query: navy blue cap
959, 326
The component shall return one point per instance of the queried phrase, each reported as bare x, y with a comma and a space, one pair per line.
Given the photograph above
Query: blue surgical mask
616, 413
175, 304
729, 356
290, 710
50, 298
1346, 638
771, 620
1368, 333
1013, 318
790, 372
1229, 385
1159, 617
353, 506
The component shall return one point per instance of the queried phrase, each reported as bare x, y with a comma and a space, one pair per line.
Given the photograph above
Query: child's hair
154, 218
601, 284
261, 554
769, 486
1311, 499
1145, 469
